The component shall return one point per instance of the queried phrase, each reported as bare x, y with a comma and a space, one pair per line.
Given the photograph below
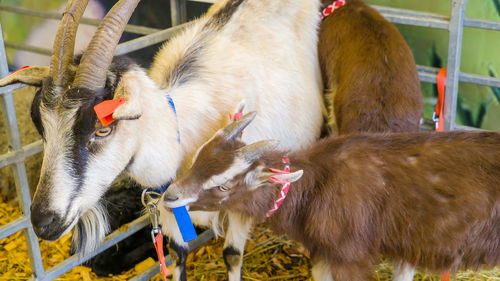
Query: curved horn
96, 60
64, 42
234, 129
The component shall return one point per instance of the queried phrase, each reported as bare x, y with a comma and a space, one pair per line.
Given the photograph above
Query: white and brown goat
368, 72
261, 51
430, 200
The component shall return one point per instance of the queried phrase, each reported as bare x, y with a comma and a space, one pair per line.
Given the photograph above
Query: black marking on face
232, 257
86, 120
222, 17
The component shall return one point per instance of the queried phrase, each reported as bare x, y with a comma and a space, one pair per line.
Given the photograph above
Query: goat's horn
235, 128
97, 58
254, 151
64, 43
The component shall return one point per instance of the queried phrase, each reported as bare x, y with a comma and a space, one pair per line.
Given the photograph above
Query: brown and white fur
430, 200
261, 51
368, 71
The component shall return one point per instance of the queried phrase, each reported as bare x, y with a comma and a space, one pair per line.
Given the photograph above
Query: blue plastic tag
185, 224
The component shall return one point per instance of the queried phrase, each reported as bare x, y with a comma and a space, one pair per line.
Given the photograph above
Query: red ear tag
26, 66
105, 110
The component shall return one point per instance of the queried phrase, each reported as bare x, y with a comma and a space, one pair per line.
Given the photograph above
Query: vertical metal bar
175, 12
454, 58
183, 10
19, 169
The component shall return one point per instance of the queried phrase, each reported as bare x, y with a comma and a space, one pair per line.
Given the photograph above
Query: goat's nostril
41, 221
171, 197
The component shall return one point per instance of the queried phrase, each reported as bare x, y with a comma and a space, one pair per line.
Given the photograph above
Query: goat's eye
223, 188
103, 132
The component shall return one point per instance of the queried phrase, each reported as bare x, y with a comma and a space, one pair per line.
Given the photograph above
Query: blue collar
172, 106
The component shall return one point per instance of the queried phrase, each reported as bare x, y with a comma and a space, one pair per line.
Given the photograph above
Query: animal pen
18, 154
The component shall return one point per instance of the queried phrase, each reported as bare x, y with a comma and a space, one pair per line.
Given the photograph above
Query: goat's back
263, 52
370, 71
431, 200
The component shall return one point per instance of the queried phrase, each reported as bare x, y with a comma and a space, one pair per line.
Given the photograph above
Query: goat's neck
285, 219
158, 154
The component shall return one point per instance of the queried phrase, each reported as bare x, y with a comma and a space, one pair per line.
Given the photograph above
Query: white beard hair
90, 230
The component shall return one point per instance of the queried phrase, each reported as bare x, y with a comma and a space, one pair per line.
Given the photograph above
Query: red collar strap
284, 188
330, 8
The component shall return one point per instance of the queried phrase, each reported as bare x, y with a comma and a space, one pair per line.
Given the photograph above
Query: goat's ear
32, 75
132, 108
264, 177
292, 177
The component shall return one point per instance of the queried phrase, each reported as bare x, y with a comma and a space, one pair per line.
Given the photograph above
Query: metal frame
18, 154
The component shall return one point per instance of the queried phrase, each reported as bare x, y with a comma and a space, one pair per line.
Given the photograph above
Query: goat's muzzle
47, 224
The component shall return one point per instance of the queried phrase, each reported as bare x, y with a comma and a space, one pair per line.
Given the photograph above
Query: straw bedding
267, 257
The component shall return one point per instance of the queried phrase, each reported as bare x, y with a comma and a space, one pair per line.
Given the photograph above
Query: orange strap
445, 277
158, 242
439, 110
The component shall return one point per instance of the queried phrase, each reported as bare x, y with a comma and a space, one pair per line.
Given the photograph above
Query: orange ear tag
105, 110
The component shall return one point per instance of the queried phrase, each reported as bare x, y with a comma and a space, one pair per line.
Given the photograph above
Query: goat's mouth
171, 204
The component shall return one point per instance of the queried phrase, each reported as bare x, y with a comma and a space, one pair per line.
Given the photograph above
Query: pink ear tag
105, 110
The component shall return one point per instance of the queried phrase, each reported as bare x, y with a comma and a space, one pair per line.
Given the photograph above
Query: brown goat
430, 200
369, 71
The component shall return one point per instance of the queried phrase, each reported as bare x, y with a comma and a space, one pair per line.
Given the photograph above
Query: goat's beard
90, 231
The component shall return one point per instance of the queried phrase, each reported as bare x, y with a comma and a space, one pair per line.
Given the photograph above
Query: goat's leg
353, 271
178, 249
321, 271
237, 233
403, 272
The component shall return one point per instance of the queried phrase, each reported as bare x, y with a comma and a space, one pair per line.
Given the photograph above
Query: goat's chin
90, 231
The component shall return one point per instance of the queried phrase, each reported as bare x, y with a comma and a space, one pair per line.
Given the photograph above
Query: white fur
321, 271
403, 272
236, 237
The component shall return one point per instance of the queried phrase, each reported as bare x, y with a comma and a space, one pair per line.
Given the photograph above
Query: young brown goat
431, 200
369, 72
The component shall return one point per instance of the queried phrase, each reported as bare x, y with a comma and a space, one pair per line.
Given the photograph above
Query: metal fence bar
429, 74
153, 270
13, 227
19, 169
454, 57
123, 48
11, 88
29, 48
148, 40
175, 14
482, 24
57, 16
409, 17
110, 240
21, 154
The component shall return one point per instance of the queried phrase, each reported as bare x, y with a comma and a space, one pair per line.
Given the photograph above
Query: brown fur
370, 69
431, 200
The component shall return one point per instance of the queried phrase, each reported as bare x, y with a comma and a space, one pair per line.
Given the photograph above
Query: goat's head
81, 157
224, 172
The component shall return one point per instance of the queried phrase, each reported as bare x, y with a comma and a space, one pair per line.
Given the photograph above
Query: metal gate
18, 154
